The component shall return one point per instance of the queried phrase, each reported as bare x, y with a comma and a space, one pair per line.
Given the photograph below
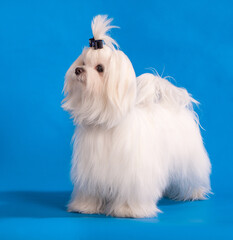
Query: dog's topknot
100, 27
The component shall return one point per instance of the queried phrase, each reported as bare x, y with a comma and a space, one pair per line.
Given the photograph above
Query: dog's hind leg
192, 182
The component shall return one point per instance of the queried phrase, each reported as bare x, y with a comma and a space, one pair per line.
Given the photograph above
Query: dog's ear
121, 82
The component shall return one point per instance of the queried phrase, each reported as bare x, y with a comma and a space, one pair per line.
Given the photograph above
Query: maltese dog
137, 139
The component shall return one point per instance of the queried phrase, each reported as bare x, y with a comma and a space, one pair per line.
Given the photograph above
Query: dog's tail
154, 89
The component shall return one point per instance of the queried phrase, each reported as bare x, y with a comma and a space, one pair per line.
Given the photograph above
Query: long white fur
100, 26
136, 139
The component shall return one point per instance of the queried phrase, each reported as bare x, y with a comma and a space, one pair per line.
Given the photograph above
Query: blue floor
42, 215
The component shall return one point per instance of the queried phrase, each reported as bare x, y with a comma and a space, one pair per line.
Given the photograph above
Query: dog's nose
78, 70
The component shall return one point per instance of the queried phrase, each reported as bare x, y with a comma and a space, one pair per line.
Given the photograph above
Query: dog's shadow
29, 204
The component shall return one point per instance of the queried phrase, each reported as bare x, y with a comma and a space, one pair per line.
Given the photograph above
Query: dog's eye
99, 68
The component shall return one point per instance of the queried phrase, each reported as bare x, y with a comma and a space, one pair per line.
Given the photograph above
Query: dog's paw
127, 211
89, 206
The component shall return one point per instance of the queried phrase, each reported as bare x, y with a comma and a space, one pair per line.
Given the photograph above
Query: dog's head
100, 86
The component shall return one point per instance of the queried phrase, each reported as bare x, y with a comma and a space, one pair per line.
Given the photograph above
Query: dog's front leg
134, 209
83, 203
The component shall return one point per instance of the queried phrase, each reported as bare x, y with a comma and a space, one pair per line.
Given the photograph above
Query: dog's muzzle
80, 74
79, 70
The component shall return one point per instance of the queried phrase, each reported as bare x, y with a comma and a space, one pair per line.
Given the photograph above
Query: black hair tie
96, 44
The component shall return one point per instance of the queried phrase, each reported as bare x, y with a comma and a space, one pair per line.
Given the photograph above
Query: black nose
78, 70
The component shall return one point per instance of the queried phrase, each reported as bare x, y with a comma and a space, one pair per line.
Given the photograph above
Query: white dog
137, 138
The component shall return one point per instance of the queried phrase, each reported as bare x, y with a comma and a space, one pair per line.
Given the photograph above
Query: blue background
191, 41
